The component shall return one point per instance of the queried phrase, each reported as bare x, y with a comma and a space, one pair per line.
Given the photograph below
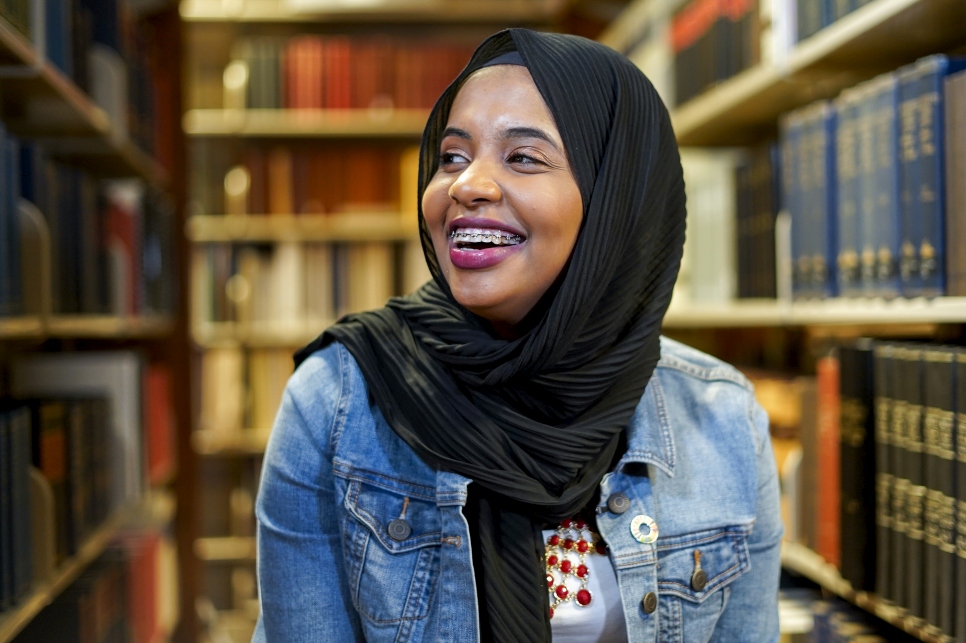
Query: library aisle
190, 190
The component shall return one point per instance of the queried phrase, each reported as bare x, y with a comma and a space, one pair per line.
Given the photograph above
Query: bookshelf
876, 37
40, 102
157, 508
805, 562
228, 549
725, 131
247, 442
357, 226
74, 147
306, 123
420, 11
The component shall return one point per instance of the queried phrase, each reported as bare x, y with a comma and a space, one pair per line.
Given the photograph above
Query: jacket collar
649, 437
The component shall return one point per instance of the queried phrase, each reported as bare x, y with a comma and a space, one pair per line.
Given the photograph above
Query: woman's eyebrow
457, 132
530, 132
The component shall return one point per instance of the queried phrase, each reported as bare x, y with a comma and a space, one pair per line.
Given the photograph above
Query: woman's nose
475, 185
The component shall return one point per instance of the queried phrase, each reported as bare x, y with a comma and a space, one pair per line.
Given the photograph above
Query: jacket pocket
393, 568
691, 602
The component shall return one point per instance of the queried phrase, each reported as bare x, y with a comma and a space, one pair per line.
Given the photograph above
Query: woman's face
503, 209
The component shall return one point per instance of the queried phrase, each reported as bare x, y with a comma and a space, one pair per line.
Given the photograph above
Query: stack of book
865, 183
879, 490
102, 49
340, 72
110, 242
712, 41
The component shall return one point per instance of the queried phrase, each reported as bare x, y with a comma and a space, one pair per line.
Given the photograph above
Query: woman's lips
475, 259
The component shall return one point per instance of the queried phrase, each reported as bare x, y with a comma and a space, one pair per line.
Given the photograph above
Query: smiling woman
513, 453
503, 208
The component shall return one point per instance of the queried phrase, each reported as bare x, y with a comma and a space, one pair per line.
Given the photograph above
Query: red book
337, 66
159, 424
828, 492
122, 233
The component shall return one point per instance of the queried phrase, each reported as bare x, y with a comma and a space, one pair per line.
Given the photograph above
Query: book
959, 596
955, 128
116, 375
858, 465
909, 168
929, 74
828, 520
848, 181
884, 459
939, 447
885, 227
910, 391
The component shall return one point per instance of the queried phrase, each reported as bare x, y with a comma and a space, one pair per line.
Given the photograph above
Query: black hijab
536, 422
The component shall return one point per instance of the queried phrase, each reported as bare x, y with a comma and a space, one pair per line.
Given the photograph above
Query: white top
603, 619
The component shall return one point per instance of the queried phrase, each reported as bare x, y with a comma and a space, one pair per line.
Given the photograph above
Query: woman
513, 453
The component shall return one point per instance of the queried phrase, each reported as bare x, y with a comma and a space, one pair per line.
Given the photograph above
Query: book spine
791, 176
858, 462
20, 501
911, 392
829, 488
6, 516
898, 465
932, 260
887, 187
865, 187
908, 182
883, 471
826, 277
960, 513
847, 176
955, 115
938, 418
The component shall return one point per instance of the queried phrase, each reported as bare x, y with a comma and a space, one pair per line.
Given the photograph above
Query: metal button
649, 602
698, 580
399, 529
644, 529
618, 503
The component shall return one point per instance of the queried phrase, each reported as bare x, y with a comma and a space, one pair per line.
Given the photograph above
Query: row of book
290, 286
109, 244
127, 595
340, 72
712, 41
814, 15
865, 179
298, 179
101, 47
878, 486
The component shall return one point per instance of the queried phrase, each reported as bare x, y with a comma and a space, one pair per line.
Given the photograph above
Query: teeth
480, 235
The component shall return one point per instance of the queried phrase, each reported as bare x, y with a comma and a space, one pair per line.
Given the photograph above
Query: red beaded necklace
572, 540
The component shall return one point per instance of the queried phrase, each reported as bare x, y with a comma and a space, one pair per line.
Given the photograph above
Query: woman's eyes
450, 158
519, 159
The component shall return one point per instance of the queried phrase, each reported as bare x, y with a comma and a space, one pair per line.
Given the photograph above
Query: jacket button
698, 580
618, 503
399, 529
649, 602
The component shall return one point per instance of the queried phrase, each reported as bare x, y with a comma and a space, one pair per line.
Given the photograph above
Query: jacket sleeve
751, 613
302, 581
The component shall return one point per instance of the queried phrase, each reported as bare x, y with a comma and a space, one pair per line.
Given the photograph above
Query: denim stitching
348, 472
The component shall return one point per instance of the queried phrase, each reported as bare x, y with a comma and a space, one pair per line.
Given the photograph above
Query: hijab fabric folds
536, 422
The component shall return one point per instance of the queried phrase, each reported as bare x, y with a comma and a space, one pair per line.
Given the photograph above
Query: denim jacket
698, 462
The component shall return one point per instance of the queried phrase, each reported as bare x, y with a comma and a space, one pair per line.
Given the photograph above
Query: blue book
931, 72
886, 185
824, 199
57, 16
865, 185
909, 226
847, 179
790, 143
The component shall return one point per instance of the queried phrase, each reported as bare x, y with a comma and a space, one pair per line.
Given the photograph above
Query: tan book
222, 389
280, 195
371, 275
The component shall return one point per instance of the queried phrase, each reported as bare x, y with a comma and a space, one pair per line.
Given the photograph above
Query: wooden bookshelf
422, 11
877, 37
229, 443
257, 334
27, 327
157, 508
306, 123
38, 101
807, 563
85, 327
225, 549
356, 226
830, 312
